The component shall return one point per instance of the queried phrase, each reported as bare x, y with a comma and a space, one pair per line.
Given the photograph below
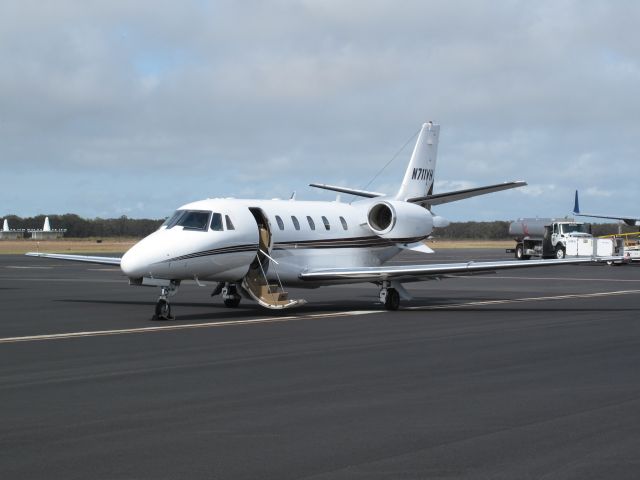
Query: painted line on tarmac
63, 280
294, 318
20, 267
522, 300
546, 279
188, 326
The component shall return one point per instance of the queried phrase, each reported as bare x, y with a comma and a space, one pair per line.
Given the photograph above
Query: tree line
78, 227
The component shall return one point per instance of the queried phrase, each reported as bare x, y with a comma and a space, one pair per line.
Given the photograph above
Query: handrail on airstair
274, 269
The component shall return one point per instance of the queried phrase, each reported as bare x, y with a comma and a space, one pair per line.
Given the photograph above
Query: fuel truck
549, 237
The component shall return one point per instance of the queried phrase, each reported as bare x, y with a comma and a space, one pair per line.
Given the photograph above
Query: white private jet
631, 221
254, 248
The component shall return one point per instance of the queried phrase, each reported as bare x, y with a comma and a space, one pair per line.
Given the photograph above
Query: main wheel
163, 310
560, 253
392, 301
232, 302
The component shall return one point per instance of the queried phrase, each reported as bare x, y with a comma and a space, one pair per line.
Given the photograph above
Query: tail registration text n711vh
257, 248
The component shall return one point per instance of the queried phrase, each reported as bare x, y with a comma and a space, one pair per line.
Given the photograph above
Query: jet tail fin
576, 205
418, 178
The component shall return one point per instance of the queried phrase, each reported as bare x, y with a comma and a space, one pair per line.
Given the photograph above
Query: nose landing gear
163, 308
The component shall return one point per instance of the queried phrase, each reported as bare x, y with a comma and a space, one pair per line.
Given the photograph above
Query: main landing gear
389, 297
163, 308
230, 295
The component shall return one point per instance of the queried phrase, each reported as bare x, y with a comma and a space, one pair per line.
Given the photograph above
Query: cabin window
326, 223
296, 223
280, 222
194, 220
229, 223
216, 222
344, 223
312, 225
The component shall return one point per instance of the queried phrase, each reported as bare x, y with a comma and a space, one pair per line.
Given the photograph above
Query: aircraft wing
350, 191
426, 272
78, 258
440, 198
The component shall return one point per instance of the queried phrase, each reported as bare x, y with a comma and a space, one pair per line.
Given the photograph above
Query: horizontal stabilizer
351, 191
440, 198
78, 258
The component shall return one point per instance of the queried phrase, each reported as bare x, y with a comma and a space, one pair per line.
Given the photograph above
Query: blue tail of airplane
576, 205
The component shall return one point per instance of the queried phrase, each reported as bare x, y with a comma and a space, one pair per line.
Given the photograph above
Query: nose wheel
163, 307
163, 310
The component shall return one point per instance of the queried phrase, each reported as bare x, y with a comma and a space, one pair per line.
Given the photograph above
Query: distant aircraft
255, 248
631, 221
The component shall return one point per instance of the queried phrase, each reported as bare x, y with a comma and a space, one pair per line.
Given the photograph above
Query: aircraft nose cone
131, 265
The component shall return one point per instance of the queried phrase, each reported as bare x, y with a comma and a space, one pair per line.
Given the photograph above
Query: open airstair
257, 285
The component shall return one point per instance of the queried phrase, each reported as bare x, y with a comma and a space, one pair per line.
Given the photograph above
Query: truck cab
562, 231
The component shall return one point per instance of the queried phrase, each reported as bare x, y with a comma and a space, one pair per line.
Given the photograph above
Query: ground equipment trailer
630, 243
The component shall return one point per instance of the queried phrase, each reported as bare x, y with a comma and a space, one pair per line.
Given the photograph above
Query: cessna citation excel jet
254, 248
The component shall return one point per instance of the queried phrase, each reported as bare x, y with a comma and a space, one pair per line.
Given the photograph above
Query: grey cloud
202, 92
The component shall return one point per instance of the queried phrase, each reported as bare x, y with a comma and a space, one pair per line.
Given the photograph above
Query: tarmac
529, 373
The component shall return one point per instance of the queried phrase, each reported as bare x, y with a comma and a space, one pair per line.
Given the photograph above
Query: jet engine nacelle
399, 221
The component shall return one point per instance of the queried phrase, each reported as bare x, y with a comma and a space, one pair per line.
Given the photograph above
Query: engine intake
381, 218
399, 221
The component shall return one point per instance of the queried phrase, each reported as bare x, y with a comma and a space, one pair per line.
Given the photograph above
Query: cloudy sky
112, 108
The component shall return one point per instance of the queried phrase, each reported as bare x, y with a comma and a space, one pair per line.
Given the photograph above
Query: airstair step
270, 295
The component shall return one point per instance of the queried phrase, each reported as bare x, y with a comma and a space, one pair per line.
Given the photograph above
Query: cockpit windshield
576, 227
171, 221
194, 220
189, 220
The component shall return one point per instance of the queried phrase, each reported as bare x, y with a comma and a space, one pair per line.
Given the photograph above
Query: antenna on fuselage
293, 196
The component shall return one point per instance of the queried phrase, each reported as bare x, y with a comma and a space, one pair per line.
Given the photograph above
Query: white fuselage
224, 251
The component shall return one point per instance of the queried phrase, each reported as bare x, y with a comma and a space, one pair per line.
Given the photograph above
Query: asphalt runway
523, 374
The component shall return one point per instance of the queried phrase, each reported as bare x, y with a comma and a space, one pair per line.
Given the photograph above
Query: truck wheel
520, 253
560, 253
